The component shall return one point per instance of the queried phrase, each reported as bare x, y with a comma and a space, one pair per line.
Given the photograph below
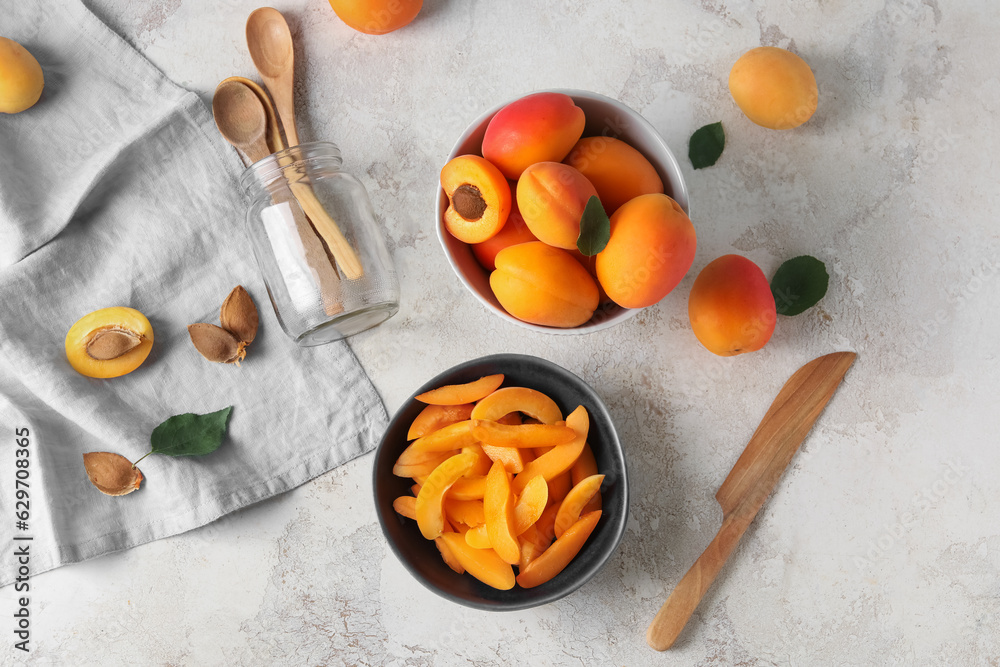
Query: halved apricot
457, 394
478, 198
109, 342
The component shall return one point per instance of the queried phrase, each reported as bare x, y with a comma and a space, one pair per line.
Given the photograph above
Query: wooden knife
751, 480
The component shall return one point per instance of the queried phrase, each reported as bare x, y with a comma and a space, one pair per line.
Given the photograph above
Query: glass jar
322, 255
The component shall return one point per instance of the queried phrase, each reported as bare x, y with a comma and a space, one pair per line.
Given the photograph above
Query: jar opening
294, 161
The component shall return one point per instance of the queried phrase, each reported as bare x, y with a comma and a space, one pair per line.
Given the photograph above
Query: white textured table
881, 544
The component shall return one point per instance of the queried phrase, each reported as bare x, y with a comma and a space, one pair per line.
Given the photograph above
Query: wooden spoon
242, 120
274, 140
270, 43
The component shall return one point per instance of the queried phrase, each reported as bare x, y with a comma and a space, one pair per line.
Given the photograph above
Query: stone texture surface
881, 544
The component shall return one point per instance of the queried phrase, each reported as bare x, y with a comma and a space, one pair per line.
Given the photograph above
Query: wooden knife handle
676, 611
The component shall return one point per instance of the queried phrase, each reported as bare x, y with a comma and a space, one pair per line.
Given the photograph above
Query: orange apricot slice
479, 198
546, 526
430, 500
483, 564
406, 506
517, 399
562, 457
435, 417
584, 467
530, 549
521, 435
448, 556
498, 503
478, 538
513, 459
529, 507
554, 560
469, 512
457, 394
470, 488
452, 436
574, 502
423, 468
483, 462
559, 486
109, 342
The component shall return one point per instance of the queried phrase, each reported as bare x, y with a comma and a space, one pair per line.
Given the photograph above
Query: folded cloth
116, 190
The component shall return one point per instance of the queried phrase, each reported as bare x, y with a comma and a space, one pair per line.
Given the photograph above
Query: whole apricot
651, 248
513, 232
774, 88
540, 284
541, 127
552, 197
731, 306
21, 79
617, 170
376, 17
109, 342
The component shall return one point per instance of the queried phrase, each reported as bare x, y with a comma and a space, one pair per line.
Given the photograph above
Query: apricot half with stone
109, 342
478, 198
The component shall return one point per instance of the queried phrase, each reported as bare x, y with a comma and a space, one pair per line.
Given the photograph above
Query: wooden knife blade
751, 480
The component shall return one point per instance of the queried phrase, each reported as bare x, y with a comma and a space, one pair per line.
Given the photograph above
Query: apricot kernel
468, 202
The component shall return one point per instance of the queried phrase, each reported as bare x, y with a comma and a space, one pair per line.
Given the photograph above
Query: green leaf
190, 434
706, 145
799, 284
595, 228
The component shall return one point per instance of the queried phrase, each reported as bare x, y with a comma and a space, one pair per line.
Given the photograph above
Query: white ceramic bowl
606, 117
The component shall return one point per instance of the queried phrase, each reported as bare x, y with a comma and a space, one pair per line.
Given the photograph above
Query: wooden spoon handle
327, 228
676, 611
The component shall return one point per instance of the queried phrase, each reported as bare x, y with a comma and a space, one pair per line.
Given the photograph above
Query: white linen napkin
117, 190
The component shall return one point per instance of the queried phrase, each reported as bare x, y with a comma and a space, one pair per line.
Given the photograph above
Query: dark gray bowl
421, 557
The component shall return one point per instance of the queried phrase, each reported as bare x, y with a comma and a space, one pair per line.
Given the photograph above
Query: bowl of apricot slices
501, 483
564, 211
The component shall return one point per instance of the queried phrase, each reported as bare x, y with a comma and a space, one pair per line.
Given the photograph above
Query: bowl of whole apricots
501, 483
517, 220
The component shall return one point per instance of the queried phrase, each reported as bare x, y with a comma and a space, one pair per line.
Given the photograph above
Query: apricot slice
539, 284
517, 399
617, 170
512, 458
478, 538
109, 342
483, 462
430, 500
574, 502
546, 526
530, 505
498, 503
559, 554
584, 467
413, 455
535, 128
457, 394
422, 468
731, 307
559, 486
470, 488
448, 556
469, 512
478, 198
521, 435
434, 417
562, 457
483, 564
530, 548
452, 436
406, 506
